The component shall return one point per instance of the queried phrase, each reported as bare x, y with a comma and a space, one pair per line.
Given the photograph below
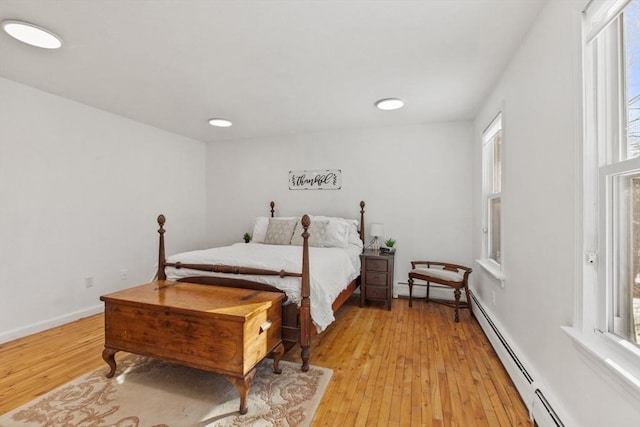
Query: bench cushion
439, 273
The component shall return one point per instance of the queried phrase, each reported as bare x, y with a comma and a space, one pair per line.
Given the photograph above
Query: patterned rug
150, 393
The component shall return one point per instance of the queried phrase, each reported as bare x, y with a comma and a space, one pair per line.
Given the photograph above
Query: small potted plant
389, 243
246, 237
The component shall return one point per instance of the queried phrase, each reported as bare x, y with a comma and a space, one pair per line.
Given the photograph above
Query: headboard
272, 205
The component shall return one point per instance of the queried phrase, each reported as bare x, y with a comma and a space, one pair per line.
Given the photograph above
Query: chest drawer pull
266, 325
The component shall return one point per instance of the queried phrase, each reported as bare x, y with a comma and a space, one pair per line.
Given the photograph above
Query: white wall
540, 92
80, 190
415, 180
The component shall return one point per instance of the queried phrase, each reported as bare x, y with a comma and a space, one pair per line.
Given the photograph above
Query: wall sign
330, 179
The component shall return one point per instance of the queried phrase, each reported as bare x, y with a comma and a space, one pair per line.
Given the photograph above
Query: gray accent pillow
279, 231
317, 232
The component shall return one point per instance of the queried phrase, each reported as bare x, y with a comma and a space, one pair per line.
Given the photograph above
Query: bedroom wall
81, 189
416, 180
540, 95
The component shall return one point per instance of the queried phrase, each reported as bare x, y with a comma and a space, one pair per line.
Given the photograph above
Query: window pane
631, 28
497, 162
495, 250
626, 310
635, 258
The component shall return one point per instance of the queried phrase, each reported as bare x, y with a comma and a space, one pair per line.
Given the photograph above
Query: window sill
492, 269
610, 356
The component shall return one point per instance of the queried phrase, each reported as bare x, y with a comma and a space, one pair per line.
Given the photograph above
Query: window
492, 159
611, 190
631, 186
614, 83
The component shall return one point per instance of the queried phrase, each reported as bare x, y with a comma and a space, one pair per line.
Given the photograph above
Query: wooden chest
219, 329
207, 327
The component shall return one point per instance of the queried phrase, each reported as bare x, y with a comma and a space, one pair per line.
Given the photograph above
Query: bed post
273, 205
161, 260
362, 223
305, 304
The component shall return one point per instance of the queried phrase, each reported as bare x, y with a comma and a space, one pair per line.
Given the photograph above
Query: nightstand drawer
379, 292
376, 265
375, 278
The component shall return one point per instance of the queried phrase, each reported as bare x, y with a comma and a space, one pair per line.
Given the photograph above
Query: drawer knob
266, 325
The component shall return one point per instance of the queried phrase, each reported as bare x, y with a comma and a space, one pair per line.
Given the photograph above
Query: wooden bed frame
296, 321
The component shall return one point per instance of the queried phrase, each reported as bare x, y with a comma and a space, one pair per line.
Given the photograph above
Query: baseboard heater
545, 413
540, 409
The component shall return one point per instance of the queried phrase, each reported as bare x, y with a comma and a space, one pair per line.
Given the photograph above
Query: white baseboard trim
7, 336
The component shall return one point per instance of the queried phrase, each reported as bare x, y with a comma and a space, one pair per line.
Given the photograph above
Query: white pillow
279, 231
354, 235
317, 232
337, 233
260, 225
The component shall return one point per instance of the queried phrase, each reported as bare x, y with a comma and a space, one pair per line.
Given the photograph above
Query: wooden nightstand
376, 279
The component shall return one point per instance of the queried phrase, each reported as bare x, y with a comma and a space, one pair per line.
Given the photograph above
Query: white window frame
491, 265
602, 165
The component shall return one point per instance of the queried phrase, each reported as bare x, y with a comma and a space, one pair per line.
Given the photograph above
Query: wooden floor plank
408, 366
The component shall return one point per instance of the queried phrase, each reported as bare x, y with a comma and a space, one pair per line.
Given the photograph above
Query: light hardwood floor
405, 367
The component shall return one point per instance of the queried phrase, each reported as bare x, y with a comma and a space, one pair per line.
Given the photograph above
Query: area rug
150, 393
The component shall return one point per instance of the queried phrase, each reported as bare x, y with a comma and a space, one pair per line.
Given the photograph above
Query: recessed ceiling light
389, 104
221, 123
31, 34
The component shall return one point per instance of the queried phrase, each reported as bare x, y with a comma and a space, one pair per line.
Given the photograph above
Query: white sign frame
327, 179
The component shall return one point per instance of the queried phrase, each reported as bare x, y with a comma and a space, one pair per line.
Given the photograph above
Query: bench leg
466, 292
410, 291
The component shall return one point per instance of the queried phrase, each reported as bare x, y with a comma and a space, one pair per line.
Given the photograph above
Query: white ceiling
272, 67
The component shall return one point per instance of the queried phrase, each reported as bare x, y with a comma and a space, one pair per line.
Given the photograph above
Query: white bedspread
331, 270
